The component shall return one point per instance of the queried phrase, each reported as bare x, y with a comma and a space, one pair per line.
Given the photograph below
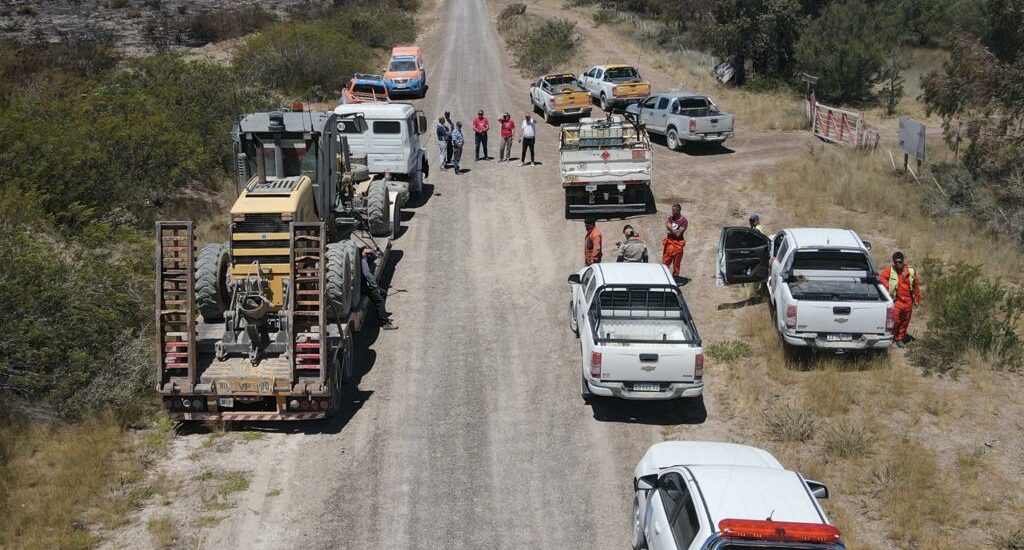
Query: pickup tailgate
713, 124
571, 99
648, 363
841, 318
593, 166
632, 89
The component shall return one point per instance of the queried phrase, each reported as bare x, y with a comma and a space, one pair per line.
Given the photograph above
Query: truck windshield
368, 89
628, 315
621, 73
297, 157
836, 291
565, 79
402, 65
831, 260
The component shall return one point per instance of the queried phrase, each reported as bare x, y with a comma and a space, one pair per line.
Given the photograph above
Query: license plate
646, 387
839, 337
226, 402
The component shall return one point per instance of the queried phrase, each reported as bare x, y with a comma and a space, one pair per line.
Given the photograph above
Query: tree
761, 31
845, 48
892, 79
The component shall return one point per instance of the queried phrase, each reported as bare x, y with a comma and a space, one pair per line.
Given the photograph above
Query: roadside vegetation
538, 45
98, 147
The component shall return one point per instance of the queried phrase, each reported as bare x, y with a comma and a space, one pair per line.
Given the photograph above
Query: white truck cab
695, 495
822, 283
637, 338
390, 142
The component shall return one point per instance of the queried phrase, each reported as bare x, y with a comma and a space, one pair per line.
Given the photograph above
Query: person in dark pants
370, 288
480, 128
528, 139
451, 127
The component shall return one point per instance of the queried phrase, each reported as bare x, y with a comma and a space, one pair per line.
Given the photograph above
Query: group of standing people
451, 140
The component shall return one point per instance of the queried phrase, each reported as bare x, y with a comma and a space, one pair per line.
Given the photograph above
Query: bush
846, 440
376, 26
203, 28
512, 11
1011, 539
790, 424
728, 351
301, 58
968, 312
541, 48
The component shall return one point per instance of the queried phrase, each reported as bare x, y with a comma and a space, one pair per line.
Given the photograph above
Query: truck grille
242, 245
260, 223
247, 260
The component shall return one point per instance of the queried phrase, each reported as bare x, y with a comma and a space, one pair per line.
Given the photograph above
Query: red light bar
787, 531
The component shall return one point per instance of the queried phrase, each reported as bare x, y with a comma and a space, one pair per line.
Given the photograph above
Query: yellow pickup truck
615, 85
559, 95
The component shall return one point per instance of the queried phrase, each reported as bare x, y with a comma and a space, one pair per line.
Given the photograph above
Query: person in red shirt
904, 285
508, 132
591, 243
675, 241
480, 128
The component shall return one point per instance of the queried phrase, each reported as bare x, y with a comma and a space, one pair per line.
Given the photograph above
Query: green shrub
728, 351
846, 440
378, 26
301, 58
787, 423
968, 311
203, 28
540, 48
512, 11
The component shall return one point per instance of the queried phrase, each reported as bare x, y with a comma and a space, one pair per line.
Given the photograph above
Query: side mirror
818, 489
533, 84
574, 279
867, 244
421, 122
646, 483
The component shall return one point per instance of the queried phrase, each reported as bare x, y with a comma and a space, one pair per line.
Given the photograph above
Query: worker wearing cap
591, 243
904, 286
755, 224
480, 128
675, 241
633, 250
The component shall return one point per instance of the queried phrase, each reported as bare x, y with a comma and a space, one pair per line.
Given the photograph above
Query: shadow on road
690, 410
417, 201
752, 301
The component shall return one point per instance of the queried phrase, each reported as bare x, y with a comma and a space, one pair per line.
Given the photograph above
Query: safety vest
894, 281
760, 228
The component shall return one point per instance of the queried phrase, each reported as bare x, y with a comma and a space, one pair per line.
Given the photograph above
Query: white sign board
912, 138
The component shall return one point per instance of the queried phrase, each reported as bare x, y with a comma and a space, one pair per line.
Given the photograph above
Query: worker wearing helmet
904, 286
755, 223
675, 241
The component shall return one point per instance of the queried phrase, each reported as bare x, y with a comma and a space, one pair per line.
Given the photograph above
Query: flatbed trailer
304, 382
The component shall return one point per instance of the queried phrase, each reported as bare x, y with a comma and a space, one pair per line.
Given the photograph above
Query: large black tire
211, 281
378, 209
342, 261
672, 139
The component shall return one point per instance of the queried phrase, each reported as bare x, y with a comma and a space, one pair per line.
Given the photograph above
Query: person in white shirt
528, 139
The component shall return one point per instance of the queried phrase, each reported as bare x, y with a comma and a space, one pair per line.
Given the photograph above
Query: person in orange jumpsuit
675, 241
591, 243
904, 285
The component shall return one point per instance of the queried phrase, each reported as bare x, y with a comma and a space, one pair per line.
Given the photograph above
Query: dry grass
917, 497
56, 483
218, 486
163, 530
846, 440
787, 423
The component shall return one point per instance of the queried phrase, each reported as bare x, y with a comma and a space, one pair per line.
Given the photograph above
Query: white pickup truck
614, 85
637, 338
606, 166
696, 495
683, 118
822, 284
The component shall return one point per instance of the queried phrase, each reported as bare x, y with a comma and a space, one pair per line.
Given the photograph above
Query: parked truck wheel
348, 360
672, 139
378, 209
637, 538
212, 295
605, 105
416, 182
342, 265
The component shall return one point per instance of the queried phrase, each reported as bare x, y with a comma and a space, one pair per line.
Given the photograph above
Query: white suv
696, 495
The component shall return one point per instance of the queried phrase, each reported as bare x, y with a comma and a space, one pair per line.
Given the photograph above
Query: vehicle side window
675, 107
679, 508
387, 127
590, 73
742, 239
598, 73
662, 104
781, 247
650, 102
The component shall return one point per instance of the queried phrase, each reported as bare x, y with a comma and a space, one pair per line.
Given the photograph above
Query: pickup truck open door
742, 256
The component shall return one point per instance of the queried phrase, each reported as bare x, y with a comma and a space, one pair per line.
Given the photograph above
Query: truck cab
390, 141
637, 337
822, 284
695, 495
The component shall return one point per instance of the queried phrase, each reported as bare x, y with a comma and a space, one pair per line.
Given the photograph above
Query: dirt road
467, 429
